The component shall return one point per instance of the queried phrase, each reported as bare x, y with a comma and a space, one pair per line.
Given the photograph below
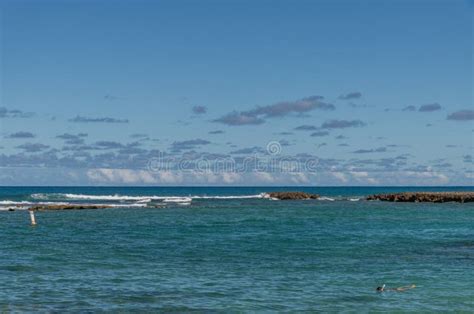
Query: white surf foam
177, 200
8, 202
230, 197
134, 205
354, 199
325, 198
20, 203
7, 208
141, 199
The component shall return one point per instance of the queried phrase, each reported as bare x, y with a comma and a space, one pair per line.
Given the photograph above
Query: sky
236, 92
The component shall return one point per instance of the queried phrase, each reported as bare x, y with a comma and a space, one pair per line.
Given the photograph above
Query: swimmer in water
399, 289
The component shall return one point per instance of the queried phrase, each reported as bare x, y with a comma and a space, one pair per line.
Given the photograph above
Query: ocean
216, 249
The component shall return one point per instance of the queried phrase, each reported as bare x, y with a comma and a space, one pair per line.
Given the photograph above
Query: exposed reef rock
292, 195
432, 197
68, 207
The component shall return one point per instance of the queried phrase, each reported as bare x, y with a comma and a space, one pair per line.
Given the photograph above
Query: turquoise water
236, 254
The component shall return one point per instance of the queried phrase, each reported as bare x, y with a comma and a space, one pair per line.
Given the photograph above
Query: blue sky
373, 92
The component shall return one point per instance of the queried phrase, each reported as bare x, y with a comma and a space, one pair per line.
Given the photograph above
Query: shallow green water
240, 255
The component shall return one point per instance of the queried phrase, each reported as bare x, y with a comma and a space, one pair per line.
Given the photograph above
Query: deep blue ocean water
234, 254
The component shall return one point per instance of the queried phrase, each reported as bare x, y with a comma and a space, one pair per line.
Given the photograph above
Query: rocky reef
432, 197
67, 207
292, 195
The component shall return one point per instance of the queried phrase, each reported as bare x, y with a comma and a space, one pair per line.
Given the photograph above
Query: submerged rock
292, 195
68, 207
433, 197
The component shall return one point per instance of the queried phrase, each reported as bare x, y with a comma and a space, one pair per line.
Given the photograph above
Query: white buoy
32, 216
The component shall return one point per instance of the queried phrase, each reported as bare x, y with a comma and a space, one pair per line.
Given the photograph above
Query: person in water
399, 289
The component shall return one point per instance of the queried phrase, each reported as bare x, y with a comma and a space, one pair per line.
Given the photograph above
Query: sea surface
233, 250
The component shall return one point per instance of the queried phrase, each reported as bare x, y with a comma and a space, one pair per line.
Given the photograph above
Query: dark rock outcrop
68, 207
292, 195
433, 197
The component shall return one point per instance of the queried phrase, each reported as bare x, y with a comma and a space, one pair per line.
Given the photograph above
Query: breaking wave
21, 205
140, 199
355, 199
325, 198
133, 201
167, 199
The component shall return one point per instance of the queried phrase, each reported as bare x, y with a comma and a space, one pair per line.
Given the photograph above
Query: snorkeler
399, 289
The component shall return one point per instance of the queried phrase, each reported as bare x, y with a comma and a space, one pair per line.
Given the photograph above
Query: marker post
32, 217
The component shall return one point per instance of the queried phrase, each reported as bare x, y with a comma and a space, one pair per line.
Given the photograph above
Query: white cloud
340, 176
299, 178
231, 177
127, 176
114, 176
264, 177
130, 176
363, 177
469, 175
169, 177
427, 177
